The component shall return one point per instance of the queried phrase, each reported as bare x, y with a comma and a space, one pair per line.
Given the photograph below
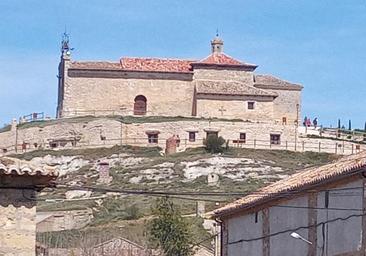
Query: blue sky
320, 44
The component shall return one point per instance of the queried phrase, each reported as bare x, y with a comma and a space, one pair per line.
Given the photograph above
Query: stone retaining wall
102, 132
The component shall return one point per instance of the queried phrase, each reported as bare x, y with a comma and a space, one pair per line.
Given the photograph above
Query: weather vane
65, 47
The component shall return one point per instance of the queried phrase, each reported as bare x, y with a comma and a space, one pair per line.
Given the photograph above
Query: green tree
214, 144
169, 231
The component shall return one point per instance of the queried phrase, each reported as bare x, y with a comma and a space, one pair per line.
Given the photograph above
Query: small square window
251, 105
284, 120
53, 144
192, 136
242, 137
275, 139
152, 138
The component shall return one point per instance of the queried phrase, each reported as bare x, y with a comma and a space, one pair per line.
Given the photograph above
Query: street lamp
297, 236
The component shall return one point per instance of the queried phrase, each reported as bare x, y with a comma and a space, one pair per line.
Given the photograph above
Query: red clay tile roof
95, 65
223, 59
159, 64
230, 88
137, 64
15, 167
156, 65
220, 58
295, 183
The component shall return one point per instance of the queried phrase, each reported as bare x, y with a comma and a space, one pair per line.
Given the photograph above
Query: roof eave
250, 67
295, 87
280, 195
129, 70
236, 94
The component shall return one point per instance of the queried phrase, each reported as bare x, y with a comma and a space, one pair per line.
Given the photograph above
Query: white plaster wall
245, 227
282, 219
341, 236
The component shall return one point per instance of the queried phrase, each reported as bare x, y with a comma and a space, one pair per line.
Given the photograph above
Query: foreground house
19, 183
324, 206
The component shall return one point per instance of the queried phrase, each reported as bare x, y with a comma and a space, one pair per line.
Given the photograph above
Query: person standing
315, 122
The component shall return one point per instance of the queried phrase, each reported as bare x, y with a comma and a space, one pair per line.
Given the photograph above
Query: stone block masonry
106, 132
98, 132
17, 223
217, 86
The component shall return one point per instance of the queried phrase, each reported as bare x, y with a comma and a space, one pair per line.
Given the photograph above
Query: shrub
169, 230
213, 143
132, 213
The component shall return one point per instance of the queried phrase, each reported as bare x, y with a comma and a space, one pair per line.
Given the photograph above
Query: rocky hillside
134, 168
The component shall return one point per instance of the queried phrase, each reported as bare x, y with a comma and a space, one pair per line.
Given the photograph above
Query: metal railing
32, 117
328, 146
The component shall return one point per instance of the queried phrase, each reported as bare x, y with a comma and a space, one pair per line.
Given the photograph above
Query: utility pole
121, 133
296, 124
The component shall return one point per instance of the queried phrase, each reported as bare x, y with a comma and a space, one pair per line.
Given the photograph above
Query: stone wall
17, 222
98, 92
224, 74
164, 97
263, 110
228, 130
285, 105
63, 220
104, 132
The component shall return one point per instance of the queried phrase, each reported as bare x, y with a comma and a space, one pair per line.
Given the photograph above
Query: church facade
217, 86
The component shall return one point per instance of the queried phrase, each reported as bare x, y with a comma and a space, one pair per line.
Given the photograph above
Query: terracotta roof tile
137, 64
95, 65
159, 64
156, 64
9, 166
229, 88
297, 182
223, 59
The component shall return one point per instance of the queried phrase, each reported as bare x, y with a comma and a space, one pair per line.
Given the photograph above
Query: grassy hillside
122, 119
135, 168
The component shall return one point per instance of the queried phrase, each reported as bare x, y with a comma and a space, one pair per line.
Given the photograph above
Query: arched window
139, 107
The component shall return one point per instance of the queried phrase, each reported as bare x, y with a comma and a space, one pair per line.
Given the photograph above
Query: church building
217, 86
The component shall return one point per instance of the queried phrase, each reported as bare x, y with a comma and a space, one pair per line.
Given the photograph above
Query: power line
298, 228
204, 240
317, 208
188, 193
183, 196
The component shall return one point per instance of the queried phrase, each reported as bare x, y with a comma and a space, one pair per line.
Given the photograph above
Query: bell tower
217, 44
62, 72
